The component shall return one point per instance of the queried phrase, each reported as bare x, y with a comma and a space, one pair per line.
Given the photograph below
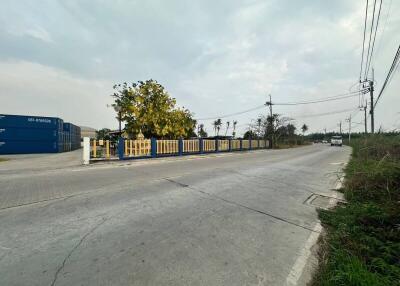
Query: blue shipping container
67, 126
22, 121
27, 147
29, 134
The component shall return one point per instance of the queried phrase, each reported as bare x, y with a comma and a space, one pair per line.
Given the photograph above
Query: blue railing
152, 148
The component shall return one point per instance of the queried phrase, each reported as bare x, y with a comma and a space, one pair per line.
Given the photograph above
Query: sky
61, 58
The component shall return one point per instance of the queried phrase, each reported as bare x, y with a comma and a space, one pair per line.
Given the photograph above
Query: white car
336, 141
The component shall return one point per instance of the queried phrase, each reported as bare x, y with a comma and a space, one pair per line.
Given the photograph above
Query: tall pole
349, 120
272, 120
371, 93
365, 118
340, 127
119, 122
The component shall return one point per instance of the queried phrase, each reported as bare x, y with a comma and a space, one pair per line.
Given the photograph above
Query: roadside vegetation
362, 243
3, 159
146, 107
279, 129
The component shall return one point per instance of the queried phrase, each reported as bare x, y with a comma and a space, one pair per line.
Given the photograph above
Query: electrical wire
324, 114
363, 45
329, 98
344, 96
369, 42
384, 29
389, 74
233, 114
373, 43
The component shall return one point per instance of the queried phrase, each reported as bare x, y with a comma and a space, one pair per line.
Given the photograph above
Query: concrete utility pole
365, 118
349, 120
340, 127
371, 93
272, 121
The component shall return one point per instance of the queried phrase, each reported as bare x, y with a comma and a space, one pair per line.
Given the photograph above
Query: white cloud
36, 32
31, 88
216, 58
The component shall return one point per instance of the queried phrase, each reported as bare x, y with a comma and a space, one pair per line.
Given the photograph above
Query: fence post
121, 147
216, 145
201, 148
180, 146
153, 147
241, 144
258, 146
230, 145
250, 143
86, 150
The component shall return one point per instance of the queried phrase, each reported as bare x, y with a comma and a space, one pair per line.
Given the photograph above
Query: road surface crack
240, 205
61, 267
176, 183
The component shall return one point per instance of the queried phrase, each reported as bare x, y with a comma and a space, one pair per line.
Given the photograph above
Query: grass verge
3, 159
362, 241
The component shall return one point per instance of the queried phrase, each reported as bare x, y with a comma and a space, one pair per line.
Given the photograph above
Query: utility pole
349, 120
272, 120
371, 93
340, 127
365, 118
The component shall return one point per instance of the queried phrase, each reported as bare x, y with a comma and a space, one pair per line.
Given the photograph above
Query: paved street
226, 219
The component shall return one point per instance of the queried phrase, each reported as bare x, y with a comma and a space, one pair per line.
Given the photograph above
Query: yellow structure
167, 146
137, 148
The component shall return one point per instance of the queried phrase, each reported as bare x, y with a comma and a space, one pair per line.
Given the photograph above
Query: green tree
147, 107
227, 127
103, 134
291, 129
259, 122
249, 134
217, 126
304, 128
234, 128
202, 133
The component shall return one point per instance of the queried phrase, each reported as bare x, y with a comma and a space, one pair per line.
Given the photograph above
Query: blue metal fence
132, 149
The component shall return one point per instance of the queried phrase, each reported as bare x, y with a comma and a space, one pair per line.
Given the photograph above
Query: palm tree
227, 127
259, 121
304, 128
215, 124
200, 130
234, 128
218, 124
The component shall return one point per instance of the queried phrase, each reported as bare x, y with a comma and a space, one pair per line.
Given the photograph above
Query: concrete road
231, 219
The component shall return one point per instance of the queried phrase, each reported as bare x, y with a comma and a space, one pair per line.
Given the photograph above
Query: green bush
362, 245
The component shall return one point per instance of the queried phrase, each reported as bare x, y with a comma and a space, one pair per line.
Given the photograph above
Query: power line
384, 29
369, 42
233, 114
325, 113
373, 43
389, 74
344, 96
363, 45
330, 98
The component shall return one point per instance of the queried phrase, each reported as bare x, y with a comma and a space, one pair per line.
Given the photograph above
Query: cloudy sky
61, 58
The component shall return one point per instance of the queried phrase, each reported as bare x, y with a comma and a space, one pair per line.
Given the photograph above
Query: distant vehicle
324, 141
336, 141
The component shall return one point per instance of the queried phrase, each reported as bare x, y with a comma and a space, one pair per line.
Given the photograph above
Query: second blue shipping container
22, 121
28, 147
29, 134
